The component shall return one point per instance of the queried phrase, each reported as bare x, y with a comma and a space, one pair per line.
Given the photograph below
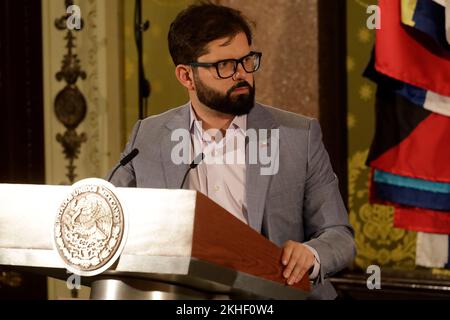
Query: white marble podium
158, 259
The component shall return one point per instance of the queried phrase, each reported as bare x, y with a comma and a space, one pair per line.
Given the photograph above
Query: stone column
287, 33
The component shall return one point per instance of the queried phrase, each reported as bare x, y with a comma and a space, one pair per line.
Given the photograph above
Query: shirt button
216, 188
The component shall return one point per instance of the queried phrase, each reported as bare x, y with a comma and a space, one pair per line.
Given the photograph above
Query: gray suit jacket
300, 203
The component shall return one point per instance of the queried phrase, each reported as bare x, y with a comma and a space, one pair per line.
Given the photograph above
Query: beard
237, 105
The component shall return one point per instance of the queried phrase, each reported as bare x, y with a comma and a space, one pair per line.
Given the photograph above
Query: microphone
125, 160
194, 164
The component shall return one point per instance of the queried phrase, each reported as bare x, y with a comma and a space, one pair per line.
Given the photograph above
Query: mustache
242, 84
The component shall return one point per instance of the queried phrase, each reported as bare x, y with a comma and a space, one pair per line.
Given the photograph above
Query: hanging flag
437, 103
410, 152
409, 217
408, 7
432, 250
440, 2
385, 192
429, 18
446, 4
396, 189
420, 97
409, 141
447, 20
400, 181
423, 154
421, 220
408, 55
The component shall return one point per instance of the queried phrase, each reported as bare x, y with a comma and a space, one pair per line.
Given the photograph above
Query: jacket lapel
256, 183
174, 173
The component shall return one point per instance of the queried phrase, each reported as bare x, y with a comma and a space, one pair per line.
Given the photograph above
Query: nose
240, 73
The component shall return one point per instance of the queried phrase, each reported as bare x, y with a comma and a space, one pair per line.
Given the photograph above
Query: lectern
179, 245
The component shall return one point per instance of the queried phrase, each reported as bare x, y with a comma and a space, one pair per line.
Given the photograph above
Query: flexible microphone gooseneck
133, 153
198, 159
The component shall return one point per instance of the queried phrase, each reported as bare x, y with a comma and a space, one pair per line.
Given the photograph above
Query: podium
179, 245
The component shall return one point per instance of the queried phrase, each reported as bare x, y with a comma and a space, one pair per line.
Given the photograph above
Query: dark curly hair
199, 24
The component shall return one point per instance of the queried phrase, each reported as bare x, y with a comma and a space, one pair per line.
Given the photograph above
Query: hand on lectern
298, 260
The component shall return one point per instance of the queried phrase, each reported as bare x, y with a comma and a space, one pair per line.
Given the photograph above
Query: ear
184, 76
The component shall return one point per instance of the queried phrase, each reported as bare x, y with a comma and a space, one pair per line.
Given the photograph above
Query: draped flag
432, 250
407, 11
446, 4
413, 192
410, 151
409, 141
416, 219
396, 180
428, 17
409, 55
420, 97
406, 175
447, 20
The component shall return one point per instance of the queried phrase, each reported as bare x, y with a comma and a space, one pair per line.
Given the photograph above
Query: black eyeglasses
227, 68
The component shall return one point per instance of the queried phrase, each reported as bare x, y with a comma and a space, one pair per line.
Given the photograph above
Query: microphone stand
143, 83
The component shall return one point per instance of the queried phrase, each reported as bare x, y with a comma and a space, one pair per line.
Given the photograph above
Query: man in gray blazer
290, 196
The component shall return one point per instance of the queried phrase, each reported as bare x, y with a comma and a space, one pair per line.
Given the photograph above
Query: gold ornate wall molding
99, 47
93, 91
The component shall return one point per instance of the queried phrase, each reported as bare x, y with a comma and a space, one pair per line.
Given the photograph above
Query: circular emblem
90, 228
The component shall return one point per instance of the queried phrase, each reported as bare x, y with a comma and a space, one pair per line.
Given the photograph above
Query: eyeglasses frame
237, 62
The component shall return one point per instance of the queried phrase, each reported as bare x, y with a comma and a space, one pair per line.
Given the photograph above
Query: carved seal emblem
90, 228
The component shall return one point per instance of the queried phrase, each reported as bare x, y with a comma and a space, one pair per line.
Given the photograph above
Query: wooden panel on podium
222, 239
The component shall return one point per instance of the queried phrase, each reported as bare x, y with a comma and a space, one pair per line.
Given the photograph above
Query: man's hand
298, 259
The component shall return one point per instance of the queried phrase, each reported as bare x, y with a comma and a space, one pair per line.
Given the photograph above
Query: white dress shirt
220, 180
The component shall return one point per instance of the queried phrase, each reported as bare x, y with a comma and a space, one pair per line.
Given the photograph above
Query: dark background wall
21, 118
